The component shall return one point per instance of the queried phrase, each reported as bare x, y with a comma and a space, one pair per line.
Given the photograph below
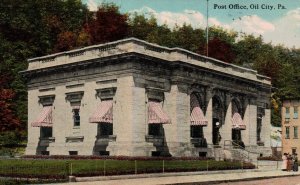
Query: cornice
127, 46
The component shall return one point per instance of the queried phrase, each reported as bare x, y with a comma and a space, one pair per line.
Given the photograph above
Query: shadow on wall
104, 135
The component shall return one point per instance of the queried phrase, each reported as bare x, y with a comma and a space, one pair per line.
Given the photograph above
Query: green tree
28, 29
247, 50
108, 25
140, 27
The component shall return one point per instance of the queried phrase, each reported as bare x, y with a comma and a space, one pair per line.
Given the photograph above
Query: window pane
76, 117
105, 129
196, 131
295, 132
287, 112
46, 132
287, 132
295, 112
155, 129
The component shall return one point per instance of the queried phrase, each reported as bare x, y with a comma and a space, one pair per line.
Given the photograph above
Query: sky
277, 21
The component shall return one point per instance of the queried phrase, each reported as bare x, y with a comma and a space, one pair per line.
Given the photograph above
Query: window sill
154, 139
106, 138
74, 139
260, 143
50, 139
76, 127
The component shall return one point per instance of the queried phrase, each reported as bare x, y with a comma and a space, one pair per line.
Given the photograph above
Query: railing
234, 145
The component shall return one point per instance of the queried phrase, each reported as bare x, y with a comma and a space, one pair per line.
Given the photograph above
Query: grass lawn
59, 169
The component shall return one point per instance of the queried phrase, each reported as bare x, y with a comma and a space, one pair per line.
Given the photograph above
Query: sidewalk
183, 178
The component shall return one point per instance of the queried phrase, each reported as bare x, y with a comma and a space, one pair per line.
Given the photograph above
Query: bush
9, 139
127, 158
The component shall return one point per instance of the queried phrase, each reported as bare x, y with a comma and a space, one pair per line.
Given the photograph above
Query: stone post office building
134, 98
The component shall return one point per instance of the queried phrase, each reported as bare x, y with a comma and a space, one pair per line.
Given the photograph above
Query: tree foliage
28, 29
108, 25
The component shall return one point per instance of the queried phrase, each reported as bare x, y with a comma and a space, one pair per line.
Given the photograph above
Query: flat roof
134, 45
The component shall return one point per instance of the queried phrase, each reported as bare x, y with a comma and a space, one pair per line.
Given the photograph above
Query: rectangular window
287, 132
105, 129
73, 152
45, 153
196, 131
295, 112
45, 132
294, 150
76, 117
155, 129
287, 114
296, 132
104, 153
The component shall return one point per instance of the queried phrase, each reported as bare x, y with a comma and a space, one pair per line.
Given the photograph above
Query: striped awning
104, 113
44, 119
156, 115
237, 122
197, 115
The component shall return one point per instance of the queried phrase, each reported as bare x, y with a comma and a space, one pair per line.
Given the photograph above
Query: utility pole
207, 28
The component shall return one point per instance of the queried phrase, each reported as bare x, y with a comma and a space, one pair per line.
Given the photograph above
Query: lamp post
218, 139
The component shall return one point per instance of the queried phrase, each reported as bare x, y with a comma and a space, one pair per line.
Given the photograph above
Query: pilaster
250, 119
226, 128
177, 106
130, 121
266, 128
208, 129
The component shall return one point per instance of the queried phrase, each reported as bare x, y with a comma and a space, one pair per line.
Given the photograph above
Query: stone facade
131, 72
290, 126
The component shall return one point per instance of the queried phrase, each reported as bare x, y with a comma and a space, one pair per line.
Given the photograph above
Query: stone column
250, 119
177, 106
63, 125
129, 120
89, 105
266, 128
226, 128
208, 129
34, 110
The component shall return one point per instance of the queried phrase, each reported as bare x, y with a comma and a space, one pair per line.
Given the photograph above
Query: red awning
237, 122
104, 113
44, 119
197, 115
156, 115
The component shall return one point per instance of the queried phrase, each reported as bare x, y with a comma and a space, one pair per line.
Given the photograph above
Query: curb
234, 180
208, 182
138, 176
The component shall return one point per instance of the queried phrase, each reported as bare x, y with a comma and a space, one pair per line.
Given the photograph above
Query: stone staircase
232, 151
240, 155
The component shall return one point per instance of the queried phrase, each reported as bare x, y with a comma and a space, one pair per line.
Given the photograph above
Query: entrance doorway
215, 131
218, 119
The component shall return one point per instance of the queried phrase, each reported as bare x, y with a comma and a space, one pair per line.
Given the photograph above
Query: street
293, 180
277, 177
